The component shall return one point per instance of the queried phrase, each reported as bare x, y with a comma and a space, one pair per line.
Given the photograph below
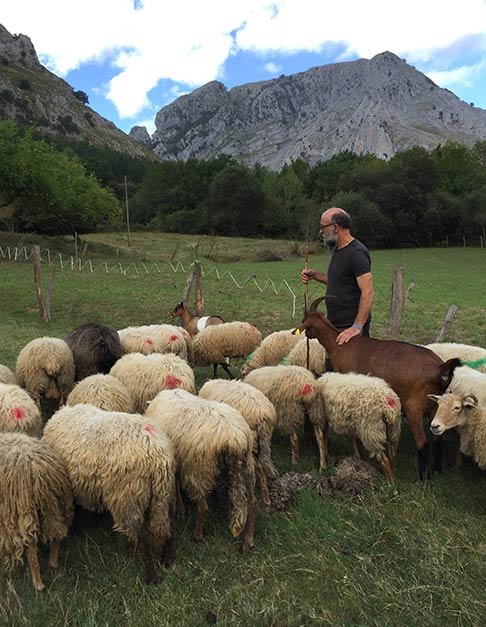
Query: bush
24, 84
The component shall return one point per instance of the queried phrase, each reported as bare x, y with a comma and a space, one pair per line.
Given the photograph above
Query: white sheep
45, 368
145, 376
155, 338
207, 437
465, 352
261, 417
18, 412
298, 356
120, 463
465, 413
293, 392
271, 351
6, 375
364, 408
467, 381
36, 503
218, 343
103, 391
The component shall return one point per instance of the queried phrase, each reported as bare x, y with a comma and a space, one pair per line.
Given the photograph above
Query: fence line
77, 264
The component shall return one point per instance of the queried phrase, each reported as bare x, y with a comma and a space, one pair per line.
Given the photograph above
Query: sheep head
452, 411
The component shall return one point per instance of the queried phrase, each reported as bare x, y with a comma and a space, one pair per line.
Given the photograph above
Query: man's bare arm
313, 275
365, 282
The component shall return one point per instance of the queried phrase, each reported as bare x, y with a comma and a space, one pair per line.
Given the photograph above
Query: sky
132, 57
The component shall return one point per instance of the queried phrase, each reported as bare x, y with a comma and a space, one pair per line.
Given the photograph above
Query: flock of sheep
131, 433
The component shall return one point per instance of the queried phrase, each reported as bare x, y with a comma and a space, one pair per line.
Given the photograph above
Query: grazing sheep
36, 502
261, 417
465, 413
118, 462
6, 375
271, 351
95, 348
145, 376
18, 412
293, 392
317, 356
45, 367
207, 437
103, 391
464, 352
364, 408
216, 344
155, 338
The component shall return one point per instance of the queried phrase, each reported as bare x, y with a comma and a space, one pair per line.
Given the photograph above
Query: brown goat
190, 321
412, 372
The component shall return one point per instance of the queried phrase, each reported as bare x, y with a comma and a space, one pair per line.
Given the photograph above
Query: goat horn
314, 305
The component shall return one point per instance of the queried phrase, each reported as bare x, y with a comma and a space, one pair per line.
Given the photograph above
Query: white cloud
464, 75
149, 125
189, 42
272, 68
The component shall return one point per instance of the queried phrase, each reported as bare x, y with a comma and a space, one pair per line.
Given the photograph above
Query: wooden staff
306, 287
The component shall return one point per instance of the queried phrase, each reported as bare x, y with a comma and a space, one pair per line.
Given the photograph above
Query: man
348, 277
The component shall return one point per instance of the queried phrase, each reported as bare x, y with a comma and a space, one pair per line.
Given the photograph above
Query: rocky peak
17, 50
140, 134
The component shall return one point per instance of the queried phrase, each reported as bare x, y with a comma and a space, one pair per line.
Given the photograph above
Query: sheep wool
18, 412
218, 342
145, 376
118, 462
36, 501
271, 351
298, 356
206, 435
293, 393
95, 348
45, 367
362, 407
465, 352
6, 375
103, 391
155, 338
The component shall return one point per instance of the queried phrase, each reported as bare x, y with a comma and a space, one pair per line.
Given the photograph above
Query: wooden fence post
448, 318
396, 305
37, 280
199, 299
187, 287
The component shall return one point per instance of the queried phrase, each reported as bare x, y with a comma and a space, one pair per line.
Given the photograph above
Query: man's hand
307, 275
347, 335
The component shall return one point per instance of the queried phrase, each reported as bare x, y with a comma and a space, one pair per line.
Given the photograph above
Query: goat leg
423, 462
437, 449
227, 370
143, 547
215, 370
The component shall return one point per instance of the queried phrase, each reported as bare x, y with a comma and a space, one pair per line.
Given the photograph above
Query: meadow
418, 558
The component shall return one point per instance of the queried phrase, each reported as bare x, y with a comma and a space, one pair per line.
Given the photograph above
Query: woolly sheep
18, 412
364, 408
36, 503
293, 393
207, 437
172, 339
118, 462
45, 367
6, 375
467, 381
260, 415
465, 413
271, 351
103, 391
298, 356
95, 348
145, 376
465, 352
216, 344
155, 338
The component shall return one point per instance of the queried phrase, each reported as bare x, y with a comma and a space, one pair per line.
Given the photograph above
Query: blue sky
132, 57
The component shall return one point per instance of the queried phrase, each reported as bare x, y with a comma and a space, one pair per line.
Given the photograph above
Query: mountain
30, 94
381, 106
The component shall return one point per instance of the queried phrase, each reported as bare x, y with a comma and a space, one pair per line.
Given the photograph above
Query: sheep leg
181, 510
387, 469
54, 554
202, 512
249, 532
265, 457
322, 444
262, 480
33, 561
148, 562
356, 452
227, 370
294, 443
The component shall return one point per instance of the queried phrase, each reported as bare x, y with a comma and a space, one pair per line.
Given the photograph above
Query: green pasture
418, 558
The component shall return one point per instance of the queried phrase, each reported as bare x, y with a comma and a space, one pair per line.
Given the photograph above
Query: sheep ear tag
296, 331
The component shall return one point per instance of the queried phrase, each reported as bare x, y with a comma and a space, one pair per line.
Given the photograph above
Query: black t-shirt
345, 266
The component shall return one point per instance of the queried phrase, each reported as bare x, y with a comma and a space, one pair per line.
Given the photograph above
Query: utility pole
126, 205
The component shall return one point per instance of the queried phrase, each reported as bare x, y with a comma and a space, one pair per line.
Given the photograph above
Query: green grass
415, 559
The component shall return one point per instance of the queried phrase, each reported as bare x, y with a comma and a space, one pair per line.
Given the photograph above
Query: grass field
415, 559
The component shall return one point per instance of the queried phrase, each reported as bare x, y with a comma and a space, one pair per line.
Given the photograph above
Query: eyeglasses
322, 227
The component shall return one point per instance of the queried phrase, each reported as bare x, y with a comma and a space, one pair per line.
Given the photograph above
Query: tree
82, 96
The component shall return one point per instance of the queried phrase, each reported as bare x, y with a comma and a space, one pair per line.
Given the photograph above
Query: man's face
328, 231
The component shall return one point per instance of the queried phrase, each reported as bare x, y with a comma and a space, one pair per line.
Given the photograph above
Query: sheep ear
433, 397
470, 401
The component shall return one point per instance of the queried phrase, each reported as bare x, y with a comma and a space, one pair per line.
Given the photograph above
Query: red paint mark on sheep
390, 401
18, 413
172, 382
149, 429
173, 338
307, 389
149, 341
